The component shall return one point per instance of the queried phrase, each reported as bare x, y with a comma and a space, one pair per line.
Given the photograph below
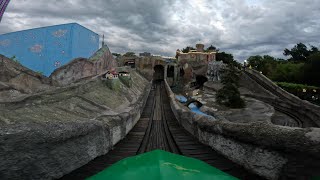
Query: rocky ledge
271, 151
51, 133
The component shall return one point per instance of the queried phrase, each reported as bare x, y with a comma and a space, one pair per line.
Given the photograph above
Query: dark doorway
200, 80
181, 72
132, 64
170, 71
158, 72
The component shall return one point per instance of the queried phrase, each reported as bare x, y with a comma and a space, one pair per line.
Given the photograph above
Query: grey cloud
161, 27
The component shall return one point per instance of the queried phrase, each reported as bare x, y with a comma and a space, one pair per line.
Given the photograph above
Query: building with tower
197, 55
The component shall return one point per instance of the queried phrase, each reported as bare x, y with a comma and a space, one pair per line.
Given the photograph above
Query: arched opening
181, 72
200, 80
158, 72
170, 71
195, 102
132, 64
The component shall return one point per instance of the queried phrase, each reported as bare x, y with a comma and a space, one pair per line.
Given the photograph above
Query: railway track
281, 109
267, 87
159, 129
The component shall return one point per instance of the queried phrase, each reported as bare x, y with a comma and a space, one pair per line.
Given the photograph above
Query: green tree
14, 58
225, 57
129, 54
311, 70
300, 52
229, 95
187, 49
265, 64
116, 54
288, 72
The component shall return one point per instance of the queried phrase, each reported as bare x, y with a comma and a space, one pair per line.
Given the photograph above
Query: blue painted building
47, 48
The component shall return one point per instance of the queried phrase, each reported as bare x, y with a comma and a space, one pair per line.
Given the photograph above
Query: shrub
229, 95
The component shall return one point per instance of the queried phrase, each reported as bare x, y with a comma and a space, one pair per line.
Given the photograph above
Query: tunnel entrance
200, 80
158, 72
170, 71
132, 64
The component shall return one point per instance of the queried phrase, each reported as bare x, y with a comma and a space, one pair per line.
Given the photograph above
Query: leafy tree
300, 52
129, 54
116, 54
265, 64
225, 57
14, 58
187, 49
229, 95
314, 49
288, 72
311, 70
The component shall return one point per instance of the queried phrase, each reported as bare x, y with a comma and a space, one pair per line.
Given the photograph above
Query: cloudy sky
240, 27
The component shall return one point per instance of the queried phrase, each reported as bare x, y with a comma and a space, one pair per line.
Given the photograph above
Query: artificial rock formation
271, 151
81, 68
17, 80
50, 134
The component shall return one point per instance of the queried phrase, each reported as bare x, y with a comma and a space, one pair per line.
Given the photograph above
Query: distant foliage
310, 93
14, 58
187, 49
302, 66
40, 72
129, 54
312, 70
229, 95
300, 52
116, 54
227, 58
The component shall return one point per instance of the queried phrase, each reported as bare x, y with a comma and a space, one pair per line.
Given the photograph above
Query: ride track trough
158, 128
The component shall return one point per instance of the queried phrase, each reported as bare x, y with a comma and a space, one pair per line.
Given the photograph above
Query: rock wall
17, 80
271, 151
50, 134
81, 68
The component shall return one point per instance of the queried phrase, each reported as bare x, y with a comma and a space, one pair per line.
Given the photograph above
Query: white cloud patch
241, 27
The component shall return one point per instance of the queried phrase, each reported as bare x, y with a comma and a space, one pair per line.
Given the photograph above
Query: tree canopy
301, 67
129, 54
300, 52
229, 95
187, 49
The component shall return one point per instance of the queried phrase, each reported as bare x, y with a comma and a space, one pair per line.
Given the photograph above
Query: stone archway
158, 72
200, 80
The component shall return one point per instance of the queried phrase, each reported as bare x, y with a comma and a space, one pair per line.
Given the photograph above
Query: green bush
288, 72
309, 93
229, 95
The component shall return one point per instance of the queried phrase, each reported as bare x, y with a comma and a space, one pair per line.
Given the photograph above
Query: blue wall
47, 48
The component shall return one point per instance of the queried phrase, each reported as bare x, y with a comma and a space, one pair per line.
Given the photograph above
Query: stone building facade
195, 63
197, 55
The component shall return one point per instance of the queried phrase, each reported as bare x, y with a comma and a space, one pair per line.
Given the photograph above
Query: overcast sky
240, 27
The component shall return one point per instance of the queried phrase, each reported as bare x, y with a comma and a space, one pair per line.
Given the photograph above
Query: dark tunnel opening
181, 72
158, 72
170, 71
200, 80
132, 64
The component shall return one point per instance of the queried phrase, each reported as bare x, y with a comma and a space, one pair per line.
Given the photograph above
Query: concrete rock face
308, 113
192, 69
81, 68
17, 80
271, 151
73, 71
47, 135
